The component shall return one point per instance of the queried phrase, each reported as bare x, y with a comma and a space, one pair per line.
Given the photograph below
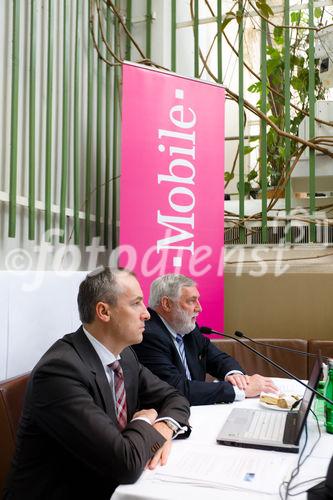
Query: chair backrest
325, 347
252, 363
12, 392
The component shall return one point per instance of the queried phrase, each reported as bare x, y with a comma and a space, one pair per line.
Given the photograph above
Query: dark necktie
180, 342
120, 394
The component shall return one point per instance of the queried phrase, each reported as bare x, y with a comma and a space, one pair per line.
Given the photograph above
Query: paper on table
251, 470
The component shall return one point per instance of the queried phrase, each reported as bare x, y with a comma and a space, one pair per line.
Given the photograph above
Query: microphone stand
207, 330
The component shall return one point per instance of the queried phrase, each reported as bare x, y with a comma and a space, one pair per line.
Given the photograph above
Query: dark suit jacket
158, 353
68, 444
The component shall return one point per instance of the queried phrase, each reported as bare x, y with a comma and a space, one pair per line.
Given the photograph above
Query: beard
182, 321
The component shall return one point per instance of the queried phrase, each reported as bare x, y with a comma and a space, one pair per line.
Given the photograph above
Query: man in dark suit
175, 350
94, 417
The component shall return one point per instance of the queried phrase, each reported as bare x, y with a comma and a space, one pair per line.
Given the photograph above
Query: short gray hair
168, 285
101, 285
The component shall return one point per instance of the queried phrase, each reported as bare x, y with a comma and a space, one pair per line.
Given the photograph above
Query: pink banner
172, 177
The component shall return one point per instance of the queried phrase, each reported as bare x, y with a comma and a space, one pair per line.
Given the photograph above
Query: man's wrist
239, 393
163, 428
172, 426
233, 372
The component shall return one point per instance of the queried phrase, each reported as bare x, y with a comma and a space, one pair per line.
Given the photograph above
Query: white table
206, 422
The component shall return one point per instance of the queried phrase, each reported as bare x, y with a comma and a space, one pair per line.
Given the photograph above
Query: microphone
206, 330
265, 344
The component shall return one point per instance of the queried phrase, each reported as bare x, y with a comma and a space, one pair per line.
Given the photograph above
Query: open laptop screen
308, 396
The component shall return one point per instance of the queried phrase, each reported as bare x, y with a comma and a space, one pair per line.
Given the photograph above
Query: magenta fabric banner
171, 187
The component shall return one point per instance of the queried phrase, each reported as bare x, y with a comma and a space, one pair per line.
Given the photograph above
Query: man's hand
161, 456
238, 379
257, 384
150, 414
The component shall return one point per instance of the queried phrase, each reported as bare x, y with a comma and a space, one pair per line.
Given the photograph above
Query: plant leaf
255, 87
239, 16
229, 16
272, 64
295, 17
248, 149
264, 8
252, 175
278, 35
228, 176
317, 12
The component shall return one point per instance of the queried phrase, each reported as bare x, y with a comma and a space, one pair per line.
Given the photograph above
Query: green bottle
329, 395
320, 403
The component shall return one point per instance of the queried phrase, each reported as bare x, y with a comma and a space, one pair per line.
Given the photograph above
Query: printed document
250, 470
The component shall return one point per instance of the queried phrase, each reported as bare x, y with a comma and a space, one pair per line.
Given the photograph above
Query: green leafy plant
250, 176
275, 92
299, 95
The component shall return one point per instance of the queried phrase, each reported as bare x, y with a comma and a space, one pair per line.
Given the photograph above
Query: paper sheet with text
252, 470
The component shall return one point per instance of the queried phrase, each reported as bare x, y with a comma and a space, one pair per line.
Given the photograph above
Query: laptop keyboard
267, 426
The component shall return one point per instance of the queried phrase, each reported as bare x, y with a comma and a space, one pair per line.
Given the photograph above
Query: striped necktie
180, 342
120, 394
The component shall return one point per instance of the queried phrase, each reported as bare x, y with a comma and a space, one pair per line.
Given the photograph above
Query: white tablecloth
206, 422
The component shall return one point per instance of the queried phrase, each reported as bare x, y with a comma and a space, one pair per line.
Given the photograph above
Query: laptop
267, 429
